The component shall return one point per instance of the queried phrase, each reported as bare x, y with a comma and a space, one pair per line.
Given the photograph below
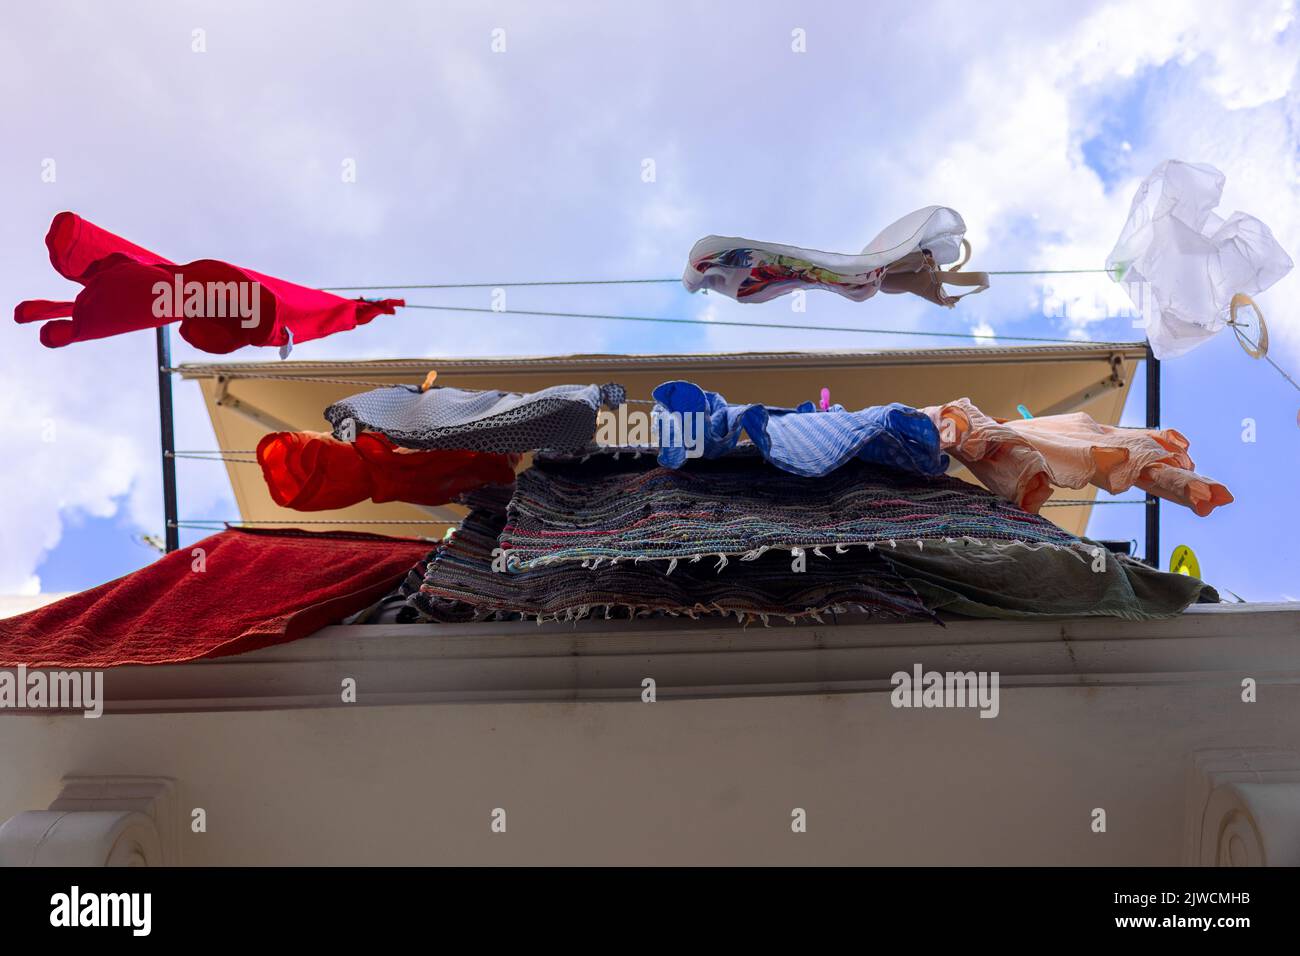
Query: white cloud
985, 333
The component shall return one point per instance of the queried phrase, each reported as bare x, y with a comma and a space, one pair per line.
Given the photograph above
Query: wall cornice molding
607, 661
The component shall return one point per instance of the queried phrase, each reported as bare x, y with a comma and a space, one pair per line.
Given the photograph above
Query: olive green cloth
1023, 582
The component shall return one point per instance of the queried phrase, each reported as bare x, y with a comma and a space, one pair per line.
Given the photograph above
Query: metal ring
1254, 350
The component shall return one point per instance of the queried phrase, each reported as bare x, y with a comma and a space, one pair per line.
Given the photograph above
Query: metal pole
1152, 508
166, 425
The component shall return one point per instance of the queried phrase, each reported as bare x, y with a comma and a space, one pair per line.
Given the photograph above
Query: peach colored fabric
1024, 459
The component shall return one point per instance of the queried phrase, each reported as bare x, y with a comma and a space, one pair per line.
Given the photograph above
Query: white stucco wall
677, 781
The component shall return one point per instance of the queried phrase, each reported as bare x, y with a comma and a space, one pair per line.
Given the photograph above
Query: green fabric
1020, 582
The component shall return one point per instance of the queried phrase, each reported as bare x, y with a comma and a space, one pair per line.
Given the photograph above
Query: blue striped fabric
803, 441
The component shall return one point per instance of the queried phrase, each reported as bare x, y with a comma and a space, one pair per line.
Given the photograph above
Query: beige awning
246, 400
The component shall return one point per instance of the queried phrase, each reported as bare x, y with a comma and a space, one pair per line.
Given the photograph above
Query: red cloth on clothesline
120, 296
314, 471
250, 590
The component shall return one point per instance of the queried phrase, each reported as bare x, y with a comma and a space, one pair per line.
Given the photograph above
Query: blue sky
526, 164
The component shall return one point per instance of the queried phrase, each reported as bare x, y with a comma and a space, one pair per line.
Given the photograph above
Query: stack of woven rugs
613, 534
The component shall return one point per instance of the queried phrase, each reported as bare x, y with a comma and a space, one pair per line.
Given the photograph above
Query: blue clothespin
1024, 412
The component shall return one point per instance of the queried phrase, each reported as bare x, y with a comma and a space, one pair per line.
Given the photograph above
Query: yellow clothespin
1183, 561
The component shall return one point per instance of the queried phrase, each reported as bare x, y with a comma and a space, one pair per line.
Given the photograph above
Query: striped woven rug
460, 585
608, 508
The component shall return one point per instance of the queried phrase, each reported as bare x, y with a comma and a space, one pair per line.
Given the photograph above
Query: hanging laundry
459, 584
1183, 486
905, 257
221, 307
1024, 459
257, 588
562, 417
803, 441
628, 509
1182, 263
313, 471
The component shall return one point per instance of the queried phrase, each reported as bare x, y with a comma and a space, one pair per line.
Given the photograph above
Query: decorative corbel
1243, 808
97, 821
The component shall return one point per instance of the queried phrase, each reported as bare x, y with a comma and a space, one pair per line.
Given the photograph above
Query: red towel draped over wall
243, 590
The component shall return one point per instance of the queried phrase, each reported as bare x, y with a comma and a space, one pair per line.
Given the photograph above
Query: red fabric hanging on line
122, 294
314, 471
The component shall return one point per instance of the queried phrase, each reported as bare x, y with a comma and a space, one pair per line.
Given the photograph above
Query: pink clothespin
825, 403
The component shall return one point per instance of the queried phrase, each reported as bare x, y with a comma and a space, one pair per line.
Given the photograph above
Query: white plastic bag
1182, 263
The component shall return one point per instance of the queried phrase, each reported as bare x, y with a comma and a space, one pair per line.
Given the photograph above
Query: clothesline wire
1073, 502
298, 378
494, 285
735, 324
1042, 272
220, 453
572, 282
1266, 357
711, 322
208, 522
1282, 372
214, 451
671, 279
289, 522
238, 461
250, 376
748, 325
238, 374
1060, 503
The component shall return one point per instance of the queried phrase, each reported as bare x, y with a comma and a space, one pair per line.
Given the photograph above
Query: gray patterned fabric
560, 417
